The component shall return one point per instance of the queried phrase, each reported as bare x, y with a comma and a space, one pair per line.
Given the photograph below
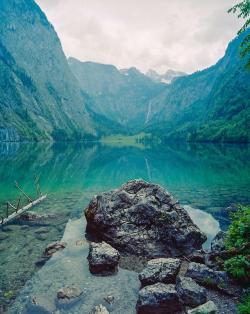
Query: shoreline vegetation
127, 139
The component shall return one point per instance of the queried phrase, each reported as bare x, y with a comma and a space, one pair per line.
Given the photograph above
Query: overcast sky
184, 35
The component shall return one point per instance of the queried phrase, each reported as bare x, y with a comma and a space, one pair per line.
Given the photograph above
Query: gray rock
69, 295
158, 299
143, 219
207, 308
207, 276
218, 243
102, 258
160, 270
190, 292
99, 309
198, 257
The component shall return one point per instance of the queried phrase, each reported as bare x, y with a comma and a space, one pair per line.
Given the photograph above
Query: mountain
44, 96
40, 97
209, 105
122, 96
166, 78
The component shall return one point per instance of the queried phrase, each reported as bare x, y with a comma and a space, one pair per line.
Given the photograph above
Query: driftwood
27, 196
21, 210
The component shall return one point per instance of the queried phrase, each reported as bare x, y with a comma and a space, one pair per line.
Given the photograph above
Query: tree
243, 11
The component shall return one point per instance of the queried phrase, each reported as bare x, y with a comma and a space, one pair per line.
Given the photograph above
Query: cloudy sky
184, 35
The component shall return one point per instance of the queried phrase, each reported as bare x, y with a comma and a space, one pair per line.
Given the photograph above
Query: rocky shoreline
140, 227
143, 219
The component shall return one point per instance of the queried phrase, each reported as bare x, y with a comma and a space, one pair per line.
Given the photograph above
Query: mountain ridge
44, 96
212, 104
43, 100
120, 95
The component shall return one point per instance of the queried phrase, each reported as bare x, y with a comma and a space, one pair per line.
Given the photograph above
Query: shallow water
204, 178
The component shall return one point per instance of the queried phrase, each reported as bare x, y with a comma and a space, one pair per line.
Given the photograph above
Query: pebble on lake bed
99, 309
69, 295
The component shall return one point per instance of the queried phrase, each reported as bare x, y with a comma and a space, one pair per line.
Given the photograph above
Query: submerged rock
37, 304
36, 219
190, 292
158, 299
218, 243
103, 258
3, 236
207, 308
160, 270
69, 295
207, 276
51, 249
143, 219
99, 309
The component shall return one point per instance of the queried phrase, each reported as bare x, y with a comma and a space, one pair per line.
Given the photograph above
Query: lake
205, 178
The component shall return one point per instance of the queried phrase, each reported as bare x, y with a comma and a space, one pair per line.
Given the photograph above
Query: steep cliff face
120, 95
210, 105
40, 97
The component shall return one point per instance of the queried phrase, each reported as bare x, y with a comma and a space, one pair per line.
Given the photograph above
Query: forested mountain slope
210, 105
39, 96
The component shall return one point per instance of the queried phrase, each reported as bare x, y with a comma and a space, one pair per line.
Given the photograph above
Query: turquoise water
205, 178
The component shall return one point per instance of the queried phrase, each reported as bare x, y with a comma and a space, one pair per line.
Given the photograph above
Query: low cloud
185, 35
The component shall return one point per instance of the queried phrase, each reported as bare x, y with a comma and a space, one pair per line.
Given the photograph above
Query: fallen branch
22, 210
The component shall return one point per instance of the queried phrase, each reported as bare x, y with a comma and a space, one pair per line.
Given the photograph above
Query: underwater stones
190, 292
158, 299
37, 304
69, 295
3, 236
207, 308
99, 309
31, 216
109, 299
207, 276
54, 247
103, 258
143, 219
42, 230
36, 219
160, 270
51, 249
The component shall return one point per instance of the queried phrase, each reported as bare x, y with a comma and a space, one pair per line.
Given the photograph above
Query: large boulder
103, 258
207, 276
207, 308
160, 270
190, 292
143, 219
158, 299
218, 243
